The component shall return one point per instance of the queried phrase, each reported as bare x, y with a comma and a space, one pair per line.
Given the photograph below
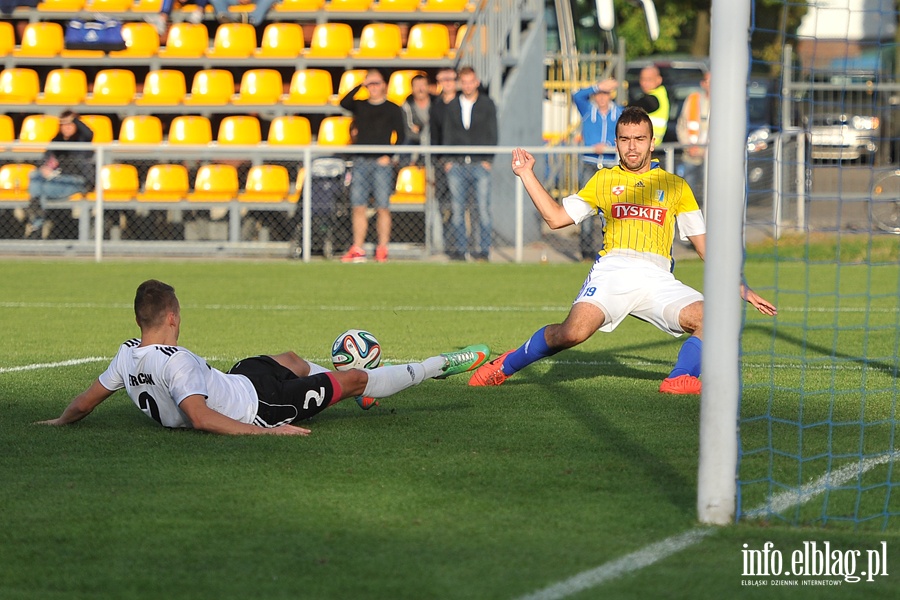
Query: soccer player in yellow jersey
633, 273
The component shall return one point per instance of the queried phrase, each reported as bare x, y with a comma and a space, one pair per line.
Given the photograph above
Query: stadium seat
211, 86
37, 129
7, 129
427, 40
379, 40
190, 129
185, 40
60, 5
266, 183
7, 38
18, 86
260, 86
215, 183
334, 131
448, 6
400, 85
349, 80
108, 6
42, 38
310, 86
113, 86
64, 86
119, 183
397, 5
281, 40
149, 6
165, 183
101, 125
291, 130
14, 178
410, 187
299, 5
141, 41
348, 5
233, 40
141, 129
165, 87
330, 40
239, 130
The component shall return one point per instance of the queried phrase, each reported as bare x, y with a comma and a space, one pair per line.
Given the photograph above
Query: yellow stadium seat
233, 40
310, 86
348, 5
7, 131
330, 40
215, 183
101, 125
334, 131
14, 180
7, 38
165, 183
281, 40
113, 86
18, 86
299, 5
190, 129
379, 40
141, 129
211, 86
41, 39
448, 6
239, 129
165, 87
108, 6
60, 5
119, 183
397, 5
427, 40
185, 40
141, 41
37, 129
291, 130
400, 85
64, 86
266, 183
349, 80
150, 6
260, 86
410, 187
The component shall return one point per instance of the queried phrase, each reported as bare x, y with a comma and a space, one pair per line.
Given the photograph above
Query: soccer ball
355, 349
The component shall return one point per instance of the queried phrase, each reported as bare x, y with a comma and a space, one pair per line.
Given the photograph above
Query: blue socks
533, 350
688, 362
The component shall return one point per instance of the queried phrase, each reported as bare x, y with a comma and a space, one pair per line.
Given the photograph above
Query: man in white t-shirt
258, 395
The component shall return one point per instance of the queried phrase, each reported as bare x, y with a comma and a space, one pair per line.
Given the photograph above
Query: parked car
843, 124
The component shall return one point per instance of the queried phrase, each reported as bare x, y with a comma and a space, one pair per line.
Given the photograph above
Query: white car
844, 137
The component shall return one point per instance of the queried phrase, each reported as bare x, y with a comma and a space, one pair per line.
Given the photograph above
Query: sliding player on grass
632, 275
259, 395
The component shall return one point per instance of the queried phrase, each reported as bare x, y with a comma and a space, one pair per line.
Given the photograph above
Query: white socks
315, 369
386, 381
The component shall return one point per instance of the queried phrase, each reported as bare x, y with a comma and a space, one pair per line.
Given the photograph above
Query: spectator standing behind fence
655, 101
256, 17
161, 20
599, 114
378, 121
417, 114
61, 174
446, 79
470, 119
693, 131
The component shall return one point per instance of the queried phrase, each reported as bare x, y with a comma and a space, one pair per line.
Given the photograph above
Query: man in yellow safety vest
655, 101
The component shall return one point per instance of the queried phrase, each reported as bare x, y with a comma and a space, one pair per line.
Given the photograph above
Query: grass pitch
442, 492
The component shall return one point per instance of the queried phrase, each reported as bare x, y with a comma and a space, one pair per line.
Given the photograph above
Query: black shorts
284, 397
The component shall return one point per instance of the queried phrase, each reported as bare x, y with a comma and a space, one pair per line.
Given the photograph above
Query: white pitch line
53, 365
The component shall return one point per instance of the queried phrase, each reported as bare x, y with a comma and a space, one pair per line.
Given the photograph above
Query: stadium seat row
210, 87
187, 129
119, 6
238, 41
213, 183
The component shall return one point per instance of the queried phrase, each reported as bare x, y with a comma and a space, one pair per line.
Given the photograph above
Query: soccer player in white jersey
258, 395
632, 275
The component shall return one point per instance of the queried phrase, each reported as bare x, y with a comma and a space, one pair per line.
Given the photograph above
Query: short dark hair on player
634, 115
153, 300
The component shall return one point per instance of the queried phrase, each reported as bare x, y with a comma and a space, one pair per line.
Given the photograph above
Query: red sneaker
490, 373
354, 255
683, 384
381, 254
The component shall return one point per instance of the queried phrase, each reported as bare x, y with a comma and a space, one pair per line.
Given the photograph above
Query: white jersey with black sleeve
157, 378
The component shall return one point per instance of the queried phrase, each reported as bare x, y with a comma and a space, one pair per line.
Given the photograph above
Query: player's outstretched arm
82, 405
553, 214
206, 419
758, 302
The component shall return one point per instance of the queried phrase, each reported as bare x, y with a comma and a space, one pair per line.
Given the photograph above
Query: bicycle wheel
884, 205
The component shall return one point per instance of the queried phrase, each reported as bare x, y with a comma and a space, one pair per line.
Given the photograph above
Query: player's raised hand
522, 161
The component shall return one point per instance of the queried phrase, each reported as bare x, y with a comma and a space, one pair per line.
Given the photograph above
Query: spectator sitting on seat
61, 174
254, 18
161, 20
